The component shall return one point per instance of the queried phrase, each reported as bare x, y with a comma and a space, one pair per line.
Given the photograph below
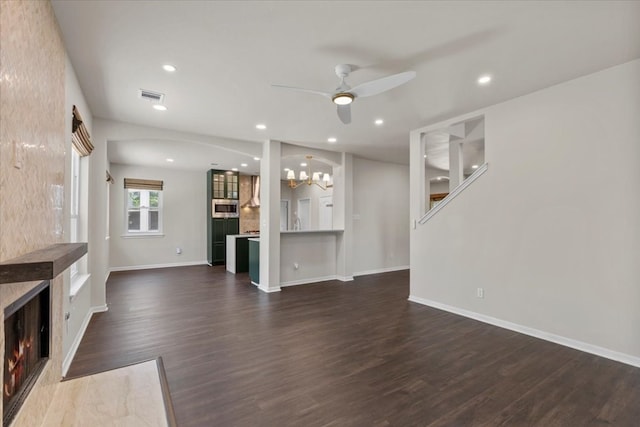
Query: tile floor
128, 396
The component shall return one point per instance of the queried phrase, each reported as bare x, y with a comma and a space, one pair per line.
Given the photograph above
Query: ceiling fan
344, 95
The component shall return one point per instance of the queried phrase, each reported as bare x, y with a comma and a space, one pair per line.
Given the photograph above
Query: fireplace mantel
43, 264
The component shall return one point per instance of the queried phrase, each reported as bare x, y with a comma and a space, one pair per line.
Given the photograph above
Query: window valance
80, 135
143, 184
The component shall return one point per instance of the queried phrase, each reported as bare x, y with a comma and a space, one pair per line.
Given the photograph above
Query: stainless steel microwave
224, 208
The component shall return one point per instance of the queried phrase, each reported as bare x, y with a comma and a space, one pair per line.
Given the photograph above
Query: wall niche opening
26, 347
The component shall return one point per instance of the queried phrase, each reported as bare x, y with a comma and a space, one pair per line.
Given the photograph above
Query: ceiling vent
150, 95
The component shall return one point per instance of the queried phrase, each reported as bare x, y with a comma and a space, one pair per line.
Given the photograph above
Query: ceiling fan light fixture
342, 98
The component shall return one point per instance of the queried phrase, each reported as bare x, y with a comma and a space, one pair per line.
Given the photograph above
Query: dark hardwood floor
343, 354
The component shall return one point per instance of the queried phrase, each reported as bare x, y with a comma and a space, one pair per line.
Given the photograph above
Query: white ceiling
229, 53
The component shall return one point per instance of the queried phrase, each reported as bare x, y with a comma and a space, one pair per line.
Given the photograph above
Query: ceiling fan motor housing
343, 70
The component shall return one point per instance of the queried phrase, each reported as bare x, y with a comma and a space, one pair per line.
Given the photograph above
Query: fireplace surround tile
32, 166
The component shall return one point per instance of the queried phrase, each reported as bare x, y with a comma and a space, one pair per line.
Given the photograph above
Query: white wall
183, 223
381, 216
552, 230
438, 187
314, 253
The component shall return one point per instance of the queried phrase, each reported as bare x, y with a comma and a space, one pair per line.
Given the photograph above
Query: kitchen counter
311, 231
238, 252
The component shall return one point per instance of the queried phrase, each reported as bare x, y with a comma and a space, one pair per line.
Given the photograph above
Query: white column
343, 214
416, 178
270, 217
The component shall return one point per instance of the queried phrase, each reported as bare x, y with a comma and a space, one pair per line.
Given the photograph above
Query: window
74, 227
143, 206
143, 210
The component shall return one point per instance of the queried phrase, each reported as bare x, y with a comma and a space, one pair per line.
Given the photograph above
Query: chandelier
306, 177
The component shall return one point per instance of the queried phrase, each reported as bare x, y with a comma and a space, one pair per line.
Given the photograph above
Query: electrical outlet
296, 266
480, 293
178, 251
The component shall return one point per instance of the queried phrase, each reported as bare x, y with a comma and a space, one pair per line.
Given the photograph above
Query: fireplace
26, 341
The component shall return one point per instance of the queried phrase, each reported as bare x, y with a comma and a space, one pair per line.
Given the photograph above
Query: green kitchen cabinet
220, 185
224, 184
242, 255
254, 261
220, 228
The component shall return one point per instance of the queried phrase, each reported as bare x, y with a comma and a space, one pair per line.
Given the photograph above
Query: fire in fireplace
26, 347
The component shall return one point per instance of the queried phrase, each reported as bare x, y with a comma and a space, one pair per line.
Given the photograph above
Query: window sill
77, 283
141, 235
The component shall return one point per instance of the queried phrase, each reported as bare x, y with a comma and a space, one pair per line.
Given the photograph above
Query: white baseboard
309, 280
381, 270
345, 278
101, 308
547, 336
150, 266
269, 290
66, 363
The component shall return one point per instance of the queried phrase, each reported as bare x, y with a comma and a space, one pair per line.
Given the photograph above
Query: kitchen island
254, 261
238, 252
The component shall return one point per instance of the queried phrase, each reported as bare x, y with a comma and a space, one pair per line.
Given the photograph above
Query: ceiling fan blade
299, 89
384, 84
344, 112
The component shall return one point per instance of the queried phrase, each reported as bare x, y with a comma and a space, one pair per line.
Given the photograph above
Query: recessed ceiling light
425, 156
303, 164
379, 122
439, 178
244, 165
170, 160
169, 68
332, 140
256, 158
261, 126
234, 169
159, 107
484, 80
474, 166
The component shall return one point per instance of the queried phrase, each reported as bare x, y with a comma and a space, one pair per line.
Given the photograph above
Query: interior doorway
325, 214
303, 217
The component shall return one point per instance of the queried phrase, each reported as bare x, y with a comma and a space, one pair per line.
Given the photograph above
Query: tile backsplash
249, 217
